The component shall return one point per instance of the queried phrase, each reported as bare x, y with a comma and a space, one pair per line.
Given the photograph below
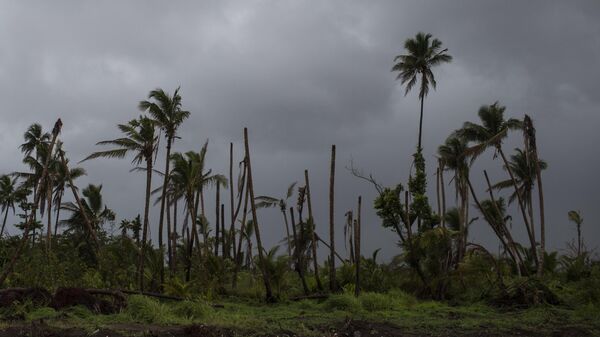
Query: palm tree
525, 175
166, 112
141, 140
575, 216
424, 53
452, 155
61, 182
93, 206
490, 133
10, 194
264, 201
188, 176
36, 140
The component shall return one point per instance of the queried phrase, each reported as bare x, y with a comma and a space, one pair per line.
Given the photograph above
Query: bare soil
347, 329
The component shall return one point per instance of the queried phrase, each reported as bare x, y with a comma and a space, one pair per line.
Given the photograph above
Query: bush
376, 302
344, 302
147, 310
191, 309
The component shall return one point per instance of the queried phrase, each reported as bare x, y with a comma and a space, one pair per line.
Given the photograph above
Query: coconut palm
424, 53
264, 201
10, 194
525, 175
141, 140
166, 112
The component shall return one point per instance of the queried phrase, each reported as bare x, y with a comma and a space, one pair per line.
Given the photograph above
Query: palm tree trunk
421, 122
237, 210
49, 214
175, 234
521, 206
217, 218
357, 248
441, 165
231, 200
4, 221
297, 253
332, 277
313, 238
145, 226
224, 249
192, 212
169, 232
238, 255
437, 193
263, 267
162, 211
57, 212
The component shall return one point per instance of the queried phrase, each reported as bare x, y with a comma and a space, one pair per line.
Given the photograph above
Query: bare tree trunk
175, 235
357, 247
332, 276
4, 221
238, 256
437, 193
263, 267
223, 243
11, 264
241, 195
298, 264
191, 237
441, 165
217, 218
145, 227
231, 203
287, 231
313, 238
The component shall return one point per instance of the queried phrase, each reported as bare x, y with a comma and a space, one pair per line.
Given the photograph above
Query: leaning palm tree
10, 194
525, 175
423, 54
490, 134
61, 182
166, 112
141, 140
264, 201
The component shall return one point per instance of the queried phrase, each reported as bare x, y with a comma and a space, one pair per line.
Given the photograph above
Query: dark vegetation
210, 265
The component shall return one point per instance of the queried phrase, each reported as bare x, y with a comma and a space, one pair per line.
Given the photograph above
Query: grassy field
394, 313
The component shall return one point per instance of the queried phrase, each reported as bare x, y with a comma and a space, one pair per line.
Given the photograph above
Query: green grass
311, 317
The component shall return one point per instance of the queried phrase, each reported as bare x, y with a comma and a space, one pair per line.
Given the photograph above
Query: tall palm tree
166, 112
10, 193
490, 134
141, 140
424, 53
525, 175
452, 154
264, 201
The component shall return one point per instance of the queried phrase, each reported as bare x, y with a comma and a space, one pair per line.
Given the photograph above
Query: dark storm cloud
303, 76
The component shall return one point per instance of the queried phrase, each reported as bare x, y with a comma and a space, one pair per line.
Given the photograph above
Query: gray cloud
303, 76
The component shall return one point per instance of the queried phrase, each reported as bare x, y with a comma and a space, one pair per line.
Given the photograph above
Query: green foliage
147, 310
343, 302
376, 302
191, 310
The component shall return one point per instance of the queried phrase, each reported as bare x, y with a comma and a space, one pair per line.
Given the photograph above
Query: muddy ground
347, 329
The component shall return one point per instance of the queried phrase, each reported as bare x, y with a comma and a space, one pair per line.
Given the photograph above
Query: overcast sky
304, 75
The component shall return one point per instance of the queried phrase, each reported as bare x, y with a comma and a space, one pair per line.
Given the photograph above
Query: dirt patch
347, 329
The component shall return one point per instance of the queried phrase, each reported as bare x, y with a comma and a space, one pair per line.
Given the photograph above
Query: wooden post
332, 280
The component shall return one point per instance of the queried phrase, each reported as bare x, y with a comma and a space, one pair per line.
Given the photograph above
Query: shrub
376, 302
344, 302
147, 310
191, 309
